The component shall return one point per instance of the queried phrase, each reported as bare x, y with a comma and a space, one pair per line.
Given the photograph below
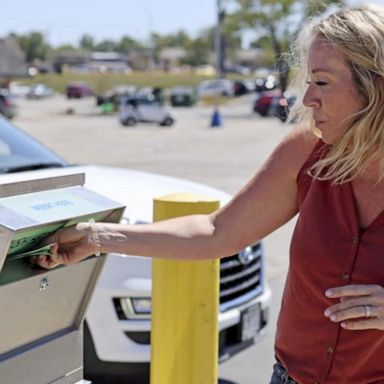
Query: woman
330, 327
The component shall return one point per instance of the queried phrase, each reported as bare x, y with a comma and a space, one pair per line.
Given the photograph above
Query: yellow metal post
185, 305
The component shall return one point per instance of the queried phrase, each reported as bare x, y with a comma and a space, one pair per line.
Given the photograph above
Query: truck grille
241, 277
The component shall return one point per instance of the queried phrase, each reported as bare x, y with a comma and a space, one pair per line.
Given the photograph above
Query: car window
18, 150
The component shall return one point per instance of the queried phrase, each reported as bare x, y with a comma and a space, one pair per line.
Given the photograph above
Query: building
170, 57
12, 60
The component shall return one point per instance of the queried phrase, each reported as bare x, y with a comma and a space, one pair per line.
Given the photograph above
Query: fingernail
327, 312
328, 293
333, 317
344, 325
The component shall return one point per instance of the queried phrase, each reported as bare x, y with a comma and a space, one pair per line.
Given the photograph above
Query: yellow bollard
185, 305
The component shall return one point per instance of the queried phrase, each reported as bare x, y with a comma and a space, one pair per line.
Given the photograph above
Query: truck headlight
142, 306
134, 307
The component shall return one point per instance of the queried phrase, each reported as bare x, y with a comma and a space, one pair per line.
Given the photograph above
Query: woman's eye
318, 83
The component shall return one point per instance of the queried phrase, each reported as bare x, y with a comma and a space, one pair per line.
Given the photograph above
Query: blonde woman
331, 323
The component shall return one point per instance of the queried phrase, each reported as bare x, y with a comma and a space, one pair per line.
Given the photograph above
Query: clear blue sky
64, 21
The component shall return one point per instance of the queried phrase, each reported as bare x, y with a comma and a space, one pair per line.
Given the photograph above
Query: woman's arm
266, 202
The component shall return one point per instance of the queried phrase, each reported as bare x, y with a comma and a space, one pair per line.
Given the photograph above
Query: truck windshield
20, 152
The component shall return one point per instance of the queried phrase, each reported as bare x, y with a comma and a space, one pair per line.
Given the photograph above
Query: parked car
183, 96
242, 87
274, 103
78, 90
238, 70
39, 91
18, 89
144, 109
8, 105
117, 325
267, 101
284, 105
115, 95
266, 83
211, 88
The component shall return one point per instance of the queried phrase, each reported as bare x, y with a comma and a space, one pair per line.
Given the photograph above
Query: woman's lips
319, 122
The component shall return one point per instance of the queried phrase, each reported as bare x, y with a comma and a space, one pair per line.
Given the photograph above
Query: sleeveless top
328, 249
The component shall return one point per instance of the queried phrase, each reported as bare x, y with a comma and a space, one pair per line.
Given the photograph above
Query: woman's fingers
363, 302
70, 245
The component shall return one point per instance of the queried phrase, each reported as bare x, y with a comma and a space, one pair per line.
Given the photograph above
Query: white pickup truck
118, 320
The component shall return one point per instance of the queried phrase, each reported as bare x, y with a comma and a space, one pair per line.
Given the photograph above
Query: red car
78, 90
267, 101
274, 103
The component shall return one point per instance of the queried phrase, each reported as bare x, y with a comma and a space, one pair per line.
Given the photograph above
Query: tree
87, 42
279, 21
158, 42
127, 44
178, 39
198, 51
33, 45
106, 45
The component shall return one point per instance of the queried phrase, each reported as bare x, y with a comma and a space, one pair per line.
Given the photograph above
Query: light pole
216, 117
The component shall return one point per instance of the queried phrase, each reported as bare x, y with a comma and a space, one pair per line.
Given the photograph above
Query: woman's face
332, 94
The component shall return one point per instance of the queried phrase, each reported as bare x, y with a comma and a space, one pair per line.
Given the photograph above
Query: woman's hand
365, 303
70, 245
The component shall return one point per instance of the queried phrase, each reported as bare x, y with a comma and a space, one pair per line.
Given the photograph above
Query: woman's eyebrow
316, 70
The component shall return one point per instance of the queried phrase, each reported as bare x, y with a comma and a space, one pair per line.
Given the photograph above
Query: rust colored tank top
328, 250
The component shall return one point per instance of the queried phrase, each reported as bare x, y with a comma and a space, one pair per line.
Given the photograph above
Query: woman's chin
327, 139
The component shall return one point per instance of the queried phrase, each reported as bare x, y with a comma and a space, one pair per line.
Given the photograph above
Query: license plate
250, 322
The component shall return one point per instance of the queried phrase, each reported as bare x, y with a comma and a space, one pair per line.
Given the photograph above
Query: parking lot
224, 157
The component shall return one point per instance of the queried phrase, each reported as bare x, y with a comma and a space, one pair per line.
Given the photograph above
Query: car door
150, 110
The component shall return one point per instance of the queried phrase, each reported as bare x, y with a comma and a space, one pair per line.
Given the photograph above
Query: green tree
106, 45
278, 21
198, 51
33, 45
127, 44
158, 42
87, 42
178, 39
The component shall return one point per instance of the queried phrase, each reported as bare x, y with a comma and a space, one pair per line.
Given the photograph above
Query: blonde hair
357, 32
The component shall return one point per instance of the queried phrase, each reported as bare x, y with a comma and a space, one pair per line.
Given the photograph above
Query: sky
65, 21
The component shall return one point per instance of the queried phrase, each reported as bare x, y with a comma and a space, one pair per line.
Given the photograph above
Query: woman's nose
310, 99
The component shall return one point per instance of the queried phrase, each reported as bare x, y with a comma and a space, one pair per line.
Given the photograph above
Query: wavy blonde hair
357, 32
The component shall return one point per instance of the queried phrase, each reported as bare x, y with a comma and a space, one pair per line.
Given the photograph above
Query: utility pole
216, 117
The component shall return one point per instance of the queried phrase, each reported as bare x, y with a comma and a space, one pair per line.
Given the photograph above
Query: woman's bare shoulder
295, 149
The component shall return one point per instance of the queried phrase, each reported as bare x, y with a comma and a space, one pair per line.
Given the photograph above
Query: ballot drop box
42, 311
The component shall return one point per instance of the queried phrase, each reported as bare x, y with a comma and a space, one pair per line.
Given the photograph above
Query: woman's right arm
265, 203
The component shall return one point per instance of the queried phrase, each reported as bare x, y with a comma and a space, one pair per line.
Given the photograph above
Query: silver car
144, 109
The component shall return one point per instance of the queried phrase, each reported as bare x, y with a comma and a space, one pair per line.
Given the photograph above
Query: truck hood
134, 189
